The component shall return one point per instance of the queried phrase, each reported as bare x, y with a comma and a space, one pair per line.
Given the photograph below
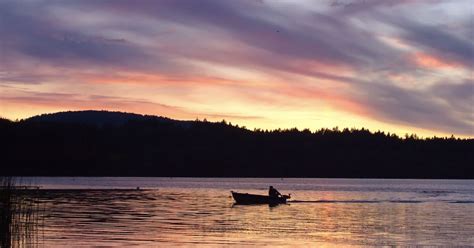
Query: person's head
271, 187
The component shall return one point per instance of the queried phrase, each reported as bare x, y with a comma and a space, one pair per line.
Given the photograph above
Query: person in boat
272, 192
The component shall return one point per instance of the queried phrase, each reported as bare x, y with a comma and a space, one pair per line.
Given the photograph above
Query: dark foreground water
200, 211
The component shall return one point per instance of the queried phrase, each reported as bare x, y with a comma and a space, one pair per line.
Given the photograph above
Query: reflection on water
207, 216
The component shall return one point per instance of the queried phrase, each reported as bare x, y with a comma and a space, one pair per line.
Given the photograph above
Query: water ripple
172, 216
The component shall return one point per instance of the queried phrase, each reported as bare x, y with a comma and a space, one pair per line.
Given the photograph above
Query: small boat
245, 198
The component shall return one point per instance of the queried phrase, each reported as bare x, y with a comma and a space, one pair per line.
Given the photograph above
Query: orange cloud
334, 100
432, 62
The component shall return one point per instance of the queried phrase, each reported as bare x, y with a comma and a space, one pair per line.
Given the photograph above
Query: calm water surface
200, 211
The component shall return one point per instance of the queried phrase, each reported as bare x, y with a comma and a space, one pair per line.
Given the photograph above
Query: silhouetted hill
94, 117
98, 143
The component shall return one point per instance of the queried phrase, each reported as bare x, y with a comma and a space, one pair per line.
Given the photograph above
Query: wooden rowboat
245, 198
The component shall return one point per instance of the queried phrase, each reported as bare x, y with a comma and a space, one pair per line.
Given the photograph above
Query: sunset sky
401, 66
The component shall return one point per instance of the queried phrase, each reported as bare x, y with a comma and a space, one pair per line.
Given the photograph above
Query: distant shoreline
122, 145
228, 177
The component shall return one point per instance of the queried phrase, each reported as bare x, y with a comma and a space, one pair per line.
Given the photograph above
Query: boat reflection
270, 205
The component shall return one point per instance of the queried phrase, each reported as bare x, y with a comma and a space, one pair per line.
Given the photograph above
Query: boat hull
245, 198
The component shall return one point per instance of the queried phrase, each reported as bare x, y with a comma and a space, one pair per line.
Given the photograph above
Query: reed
19, 213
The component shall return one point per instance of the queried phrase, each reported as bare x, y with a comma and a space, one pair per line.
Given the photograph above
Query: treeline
153, 147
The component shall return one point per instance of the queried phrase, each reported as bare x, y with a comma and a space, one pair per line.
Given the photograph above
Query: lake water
200, 211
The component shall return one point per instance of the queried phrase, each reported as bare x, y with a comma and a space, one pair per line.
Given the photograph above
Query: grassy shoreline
19, 213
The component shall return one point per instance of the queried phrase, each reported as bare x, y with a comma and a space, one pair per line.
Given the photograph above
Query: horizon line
312, 130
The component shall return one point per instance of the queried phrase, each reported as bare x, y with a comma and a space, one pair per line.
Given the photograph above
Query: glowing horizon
394, 66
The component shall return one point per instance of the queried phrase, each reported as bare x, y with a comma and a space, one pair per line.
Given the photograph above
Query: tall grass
19, 214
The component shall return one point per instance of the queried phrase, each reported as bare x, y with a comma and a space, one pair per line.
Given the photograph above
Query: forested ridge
100, 143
